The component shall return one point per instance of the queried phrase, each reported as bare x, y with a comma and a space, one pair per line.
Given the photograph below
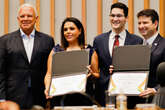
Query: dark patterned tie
116, 42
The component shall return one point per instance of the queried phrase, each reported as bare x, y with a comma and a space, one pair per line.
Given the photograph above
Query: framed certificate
131, 67
68, 84
131, 58
69, 70
129, 83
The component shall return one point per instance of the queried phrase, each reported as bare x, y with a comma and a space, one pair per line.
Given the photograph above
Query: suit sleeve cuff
2, 100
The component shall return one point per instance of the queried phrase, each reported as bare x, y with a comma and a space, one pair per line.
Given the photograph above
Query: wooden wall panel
8, 25
6, 16
162, 17
146, 4
38, 11
68, 8
52, 18
99, 16
114, 1
83, 2
130, 16
21, 2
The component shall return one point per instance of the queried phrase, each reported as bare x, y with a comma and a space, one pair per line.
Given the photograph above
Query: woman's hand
47, 82
91, 72
47, 94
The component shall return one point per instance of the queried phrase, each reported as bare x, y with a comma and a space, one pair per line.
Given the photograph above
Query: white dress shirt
112, 39
28, 42
150, 40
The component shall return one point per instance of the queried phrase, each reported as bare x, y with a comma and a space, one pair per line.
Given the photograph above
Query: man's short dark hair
121, 6
149, 13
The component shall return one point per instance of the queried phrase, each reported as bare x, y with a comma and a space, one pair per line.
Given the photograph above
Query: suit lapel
155, 43
21, 45
35, 46
106, 45
127, 39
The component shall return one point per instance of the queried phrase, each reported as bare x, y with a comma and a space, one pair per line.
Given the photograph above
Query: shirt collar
23, 35
152, 38
122, 34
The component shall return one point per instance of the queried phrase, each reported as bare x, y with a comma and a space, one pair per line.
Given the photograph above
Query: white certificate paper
68, 84
129, 83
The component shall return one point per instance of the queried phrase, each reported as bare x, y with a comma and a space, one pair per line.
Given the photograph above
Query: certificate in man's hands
131, 66
129, 83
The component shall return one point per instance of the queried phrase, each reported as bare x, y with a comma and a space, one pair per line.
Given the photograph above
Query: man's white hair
27, 5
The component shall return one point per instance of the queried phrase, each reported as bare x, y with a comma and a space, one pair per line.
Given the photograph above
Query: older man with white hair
23, 61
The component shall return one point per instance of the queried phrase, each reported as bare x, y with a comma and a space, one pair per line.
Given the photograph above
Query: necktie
116, 42
145, 42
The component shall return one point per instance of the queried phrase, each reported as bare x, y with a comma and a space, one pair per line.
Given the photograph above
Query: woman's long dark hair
81, 38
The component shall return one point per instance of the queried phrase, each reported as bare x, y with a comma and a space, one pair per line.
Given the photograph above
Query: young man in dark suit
103, 45
23, 61
148, 23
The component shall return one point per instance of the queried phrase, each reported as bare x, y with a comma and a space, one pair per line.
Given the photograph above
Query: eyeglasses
118, 15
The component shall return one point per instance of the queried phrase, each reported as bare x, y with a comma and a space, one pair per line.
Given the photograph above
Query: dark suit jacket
157, 56
159, 99
101, 46
15, 69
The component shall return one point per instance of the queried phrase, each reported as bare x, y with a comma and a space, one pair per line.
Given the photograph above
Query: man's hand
148, 92
111, 68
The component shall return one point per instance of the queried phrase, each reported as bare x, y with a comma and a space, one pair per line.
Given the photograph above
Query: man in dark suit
159, 98
148, 23
23, 61
103, 45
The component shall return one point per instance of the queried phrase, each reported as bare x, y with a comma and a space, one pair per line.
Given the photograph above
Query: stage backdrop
94, 15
